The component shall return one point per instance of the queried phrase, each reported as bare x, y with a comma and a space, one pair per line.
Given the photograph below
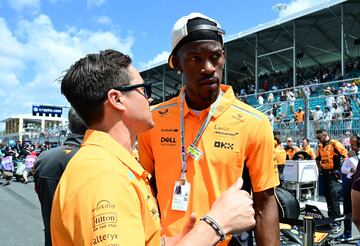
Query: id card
181, 194
194, 152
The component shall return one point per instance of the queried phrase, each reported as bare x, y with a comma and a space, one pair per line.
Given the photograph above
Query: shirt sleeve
260, 156
145, 152
341, 149
346, 166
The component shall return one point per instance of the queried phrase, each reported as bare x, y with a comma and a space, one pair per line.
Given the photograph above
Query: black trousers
331, 191
347, 205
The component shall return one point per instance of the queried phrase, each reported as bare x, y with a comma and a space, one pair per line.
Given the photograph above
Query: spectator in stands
346, 141
327, 118
347, 116
340, 98
328, 158
306, 147
270, 117
353, 88
330, 100
337, 112
318, 117
260, 100
51, 164
348, 167
300, 117
270, 98
290, 96
266, 85
290, 148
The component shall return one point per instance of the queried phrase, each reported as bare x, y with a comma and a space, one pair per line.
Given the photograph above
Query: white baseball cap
181, 30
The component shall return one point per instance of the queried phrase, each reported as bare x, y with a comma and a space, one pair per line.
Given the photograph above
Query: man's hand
187, 228
233, 210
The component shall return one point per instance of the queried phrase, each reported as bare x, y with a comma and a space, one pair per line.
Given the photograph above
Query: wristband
215, 226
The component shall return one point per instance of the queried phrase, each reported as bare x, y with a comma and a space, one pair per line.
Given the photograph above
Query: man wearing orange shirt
300, 116
104, 197
306, 147
280, 154
205, 138
290, 148
329, 157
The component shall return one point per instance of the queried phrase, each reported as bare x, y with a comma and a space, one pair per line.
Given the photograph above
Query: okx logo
223, 145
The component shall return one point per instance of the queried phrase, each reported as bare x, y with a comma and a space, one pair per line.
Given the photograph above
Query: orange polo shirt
291, 152
103, 198
280, 154
236, 134
310, 151
300, 116
325, 154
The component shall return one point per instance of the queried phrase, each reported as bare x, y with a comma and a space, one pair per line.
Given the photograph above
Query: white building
26, 127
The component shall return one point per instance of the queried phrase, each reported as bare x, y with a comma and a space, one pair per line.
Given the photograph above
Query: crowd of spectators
14, 153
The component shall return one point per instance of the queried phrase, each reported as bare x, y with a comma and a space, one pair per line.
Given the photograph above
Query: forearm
267, 230
202, 234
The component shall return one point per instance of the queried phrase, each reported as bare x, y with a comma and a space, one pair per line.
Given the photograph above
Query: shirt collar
227, 99
104, 140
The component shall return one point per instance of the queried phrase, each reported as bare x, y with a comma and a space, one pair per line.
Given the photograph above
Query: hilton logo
222, 145
104, 218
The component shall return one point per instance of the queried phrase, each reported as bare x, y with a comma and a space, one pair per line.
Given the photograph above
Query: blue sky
42, 38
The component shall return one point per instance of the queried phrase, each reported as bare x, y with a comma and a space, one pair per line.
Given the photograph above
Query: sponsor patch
223, 145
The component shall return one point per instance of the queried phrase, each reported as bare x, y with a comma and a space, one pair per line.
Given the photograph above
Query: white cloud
298, 5
30, 67
95, 3
163, 56
20, 5
103, 20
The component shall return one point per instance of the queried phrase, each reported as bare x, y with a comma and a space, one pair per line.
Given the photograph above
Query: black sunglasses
146, 85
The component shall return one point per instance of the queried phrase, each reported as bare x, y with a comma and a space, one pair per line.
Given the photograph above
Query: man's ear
116, 99
176, 63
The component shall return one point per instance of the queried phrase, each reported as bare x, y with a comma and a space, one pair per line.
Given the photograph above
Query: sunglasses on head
146, 85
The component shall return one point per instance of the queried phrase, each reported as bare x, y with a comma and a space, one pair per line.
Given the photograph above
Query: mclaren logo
163, 112
223, 145
238, 117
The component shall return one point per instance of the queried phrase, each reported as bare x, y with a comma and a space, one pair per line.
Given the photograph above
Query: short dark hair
320, 131
76, 124
307, 140
87, 81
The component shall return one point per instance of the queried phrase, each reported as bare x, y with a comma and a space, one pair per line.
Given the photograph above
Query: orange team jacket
291, 152
104, 198
326, 153
280, 155
236, 135
310, 151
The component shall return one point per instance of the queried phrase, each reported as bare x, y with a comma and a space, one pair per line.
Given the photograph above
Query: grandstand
306, 52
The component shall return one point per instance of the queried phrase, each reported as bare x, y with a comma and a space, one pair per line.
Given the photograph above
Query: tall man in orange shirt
204, 138
328, 158
103, 197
